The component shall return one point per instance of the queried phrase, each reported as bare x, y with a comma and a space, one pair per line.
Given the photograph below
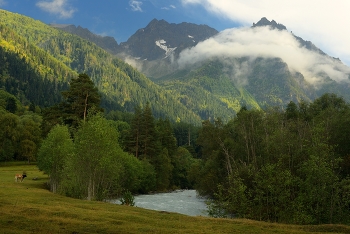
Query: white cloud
135, 5
169, 7
322, 22
266, 43
57, 7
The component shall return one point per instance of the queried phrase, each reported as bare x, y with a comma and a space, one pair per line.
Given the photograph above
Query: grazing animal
20, 177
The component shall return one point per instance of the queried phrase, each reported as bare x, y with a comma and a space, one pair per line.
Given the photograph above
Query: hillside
122, 86
105, 42
262, 66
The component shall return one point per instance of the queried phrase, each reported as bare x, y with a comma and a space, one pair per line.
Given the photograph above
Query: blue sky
323, 22
117, 18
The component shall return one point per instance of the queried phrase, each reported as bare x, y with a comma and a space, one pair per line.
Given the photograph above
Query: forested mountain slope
265, 65
105, 42
257, 67
238, 68
122, 86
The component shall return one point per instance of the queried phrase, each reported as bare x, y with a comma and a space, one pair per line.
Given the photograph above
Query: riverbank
28, 207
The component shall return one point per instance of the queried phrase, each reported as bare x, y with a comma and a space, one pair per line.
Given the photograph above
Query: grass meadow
28, 207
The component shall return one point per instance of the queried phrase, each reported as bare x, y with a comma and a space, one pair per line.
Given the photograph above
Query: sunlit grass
28, 207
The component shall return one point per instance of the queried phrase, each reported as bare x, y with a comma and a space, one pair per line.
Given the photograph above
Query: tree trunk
85, 108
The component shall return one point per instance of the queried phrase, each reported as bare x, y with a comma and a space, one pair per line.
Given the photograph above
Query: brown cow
20, 177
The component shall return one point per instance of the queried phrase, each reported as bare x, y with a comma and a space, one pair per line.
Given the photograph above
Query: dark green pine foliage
28, 72
132, 144
142, 137
11, 105
166, 136
81, 97
51, 117
9, 135
148, 136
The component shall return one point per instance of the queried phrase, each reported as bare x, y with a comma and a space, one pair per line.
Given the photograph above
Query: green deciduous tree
53, 155
9, 136
30, 136
96, 167
182, 162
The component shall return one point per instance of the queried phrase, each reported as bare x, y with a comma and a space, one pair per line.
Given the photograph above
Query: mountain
263, 22
48, 58
151, 49
192, 72
105, 42
160, 39
272, 24
258, 67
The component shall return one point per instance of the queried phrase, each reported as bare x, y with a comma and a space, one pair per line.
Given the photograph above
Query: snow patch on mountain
162, 44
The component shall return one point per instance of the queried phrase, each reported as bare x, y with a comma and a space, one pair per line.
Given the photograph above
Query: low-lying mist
263, 42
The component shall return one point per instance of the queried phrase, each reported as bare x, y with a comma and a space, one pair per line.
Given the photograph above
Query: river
181, 201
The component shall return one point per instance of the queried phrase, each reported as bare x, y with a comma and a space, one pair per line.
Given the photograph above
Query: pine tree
11, 105
148, 133
81, 97
133, 138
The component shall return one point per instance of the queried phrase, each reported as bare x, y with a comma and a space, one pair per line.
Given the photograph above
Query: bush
127, 199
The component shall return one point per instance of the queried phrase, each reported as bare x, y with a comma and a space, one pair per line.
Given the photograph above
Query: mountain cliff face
265, 22
159, 39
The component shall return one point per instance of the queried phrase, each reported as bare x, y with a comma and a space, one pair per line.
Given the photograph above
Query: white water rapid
181, 201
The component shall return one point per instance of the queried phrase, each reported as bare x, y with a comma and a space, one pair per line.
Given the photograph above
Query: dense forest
281, 165
276, 165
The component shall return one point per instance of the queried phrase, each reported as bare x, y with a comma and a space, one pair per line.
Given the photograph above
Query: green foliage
96, 165
30, 135
148, 177
127, 199
81, 97
11, 105
163, 167
182, 163
9, 135
279, 166
132, 173
20, 133
53, 155
27, 71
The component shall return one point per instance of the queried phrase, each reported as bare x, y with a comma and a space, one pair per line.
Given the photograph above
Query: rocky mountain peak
160, 39
273, 24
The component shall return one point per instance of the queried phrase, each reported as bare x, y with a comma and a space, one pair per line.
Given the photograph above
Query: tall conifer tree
79, 99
